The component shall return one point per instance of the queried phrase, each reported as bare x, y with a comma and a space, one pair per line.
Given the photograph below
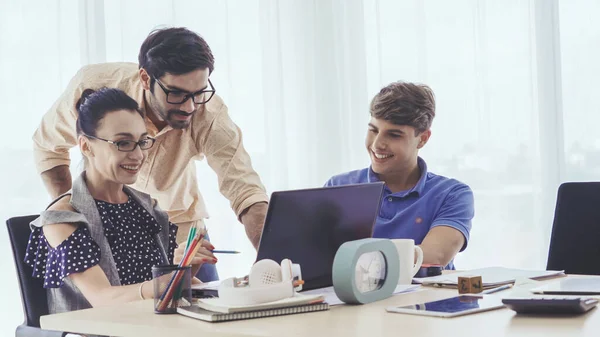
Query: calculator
551, 305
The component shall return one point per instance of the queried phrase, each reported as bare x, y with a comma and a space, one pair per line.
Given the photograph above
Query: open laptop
308, 226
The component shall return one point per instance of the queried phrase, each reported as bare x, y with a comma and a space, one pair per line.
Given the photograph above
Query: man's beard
175, 123
168, 118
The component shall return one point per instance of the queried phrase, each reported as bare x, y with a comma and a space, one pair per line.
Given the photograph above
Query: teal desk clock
365, 270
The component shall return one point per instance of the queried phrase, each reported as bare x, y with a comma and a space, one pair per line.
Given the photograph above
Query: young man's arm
449, 233
238, 181
56, 135
441, 245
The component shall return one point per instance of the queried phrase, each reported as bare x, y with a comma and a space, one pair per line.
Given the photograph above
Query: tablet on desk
451, 307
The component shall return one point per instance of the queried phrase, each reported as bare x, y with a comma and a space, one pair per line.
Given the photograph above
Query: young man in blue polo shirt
433, 210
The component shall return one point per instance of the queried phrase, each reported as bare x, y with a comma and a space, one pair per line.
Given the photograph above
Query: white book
217, 305
332, 299
196, 312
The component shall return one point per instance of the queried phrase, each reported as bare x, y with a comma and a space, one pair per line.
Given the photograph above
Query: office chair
33, 295
575, 240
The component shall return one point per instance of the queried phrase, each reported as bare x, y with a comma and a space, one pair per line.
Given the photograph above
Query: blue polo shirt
434, 201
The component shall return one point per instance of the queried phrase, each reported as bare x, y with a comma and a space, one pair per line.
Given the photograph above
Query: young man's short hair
175, 51
404, 103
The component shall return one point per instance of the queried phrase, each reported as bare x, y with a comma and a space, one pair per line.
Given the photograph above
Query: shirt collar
420, 186
138, 96
417, 189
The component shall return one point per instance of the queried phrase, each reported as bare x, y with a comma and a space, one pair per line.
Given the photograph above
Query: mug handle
419, 253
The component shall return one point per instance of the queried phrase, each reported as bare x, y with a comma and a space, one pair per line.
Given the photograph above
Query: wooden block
469, 285
464, 285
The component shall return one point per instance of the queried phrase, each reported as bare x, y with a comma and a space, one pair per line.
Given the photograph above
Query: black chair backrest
575, 240
33, 294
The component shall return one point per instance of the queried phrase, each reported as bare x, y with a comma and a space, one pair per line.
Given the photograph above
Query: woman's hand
203, 255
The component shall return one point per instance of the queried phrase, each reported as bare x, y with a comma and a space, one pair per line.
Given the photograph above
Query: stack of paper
584, 285
490, 277
214, 310
217, 305
332, 299
212, 285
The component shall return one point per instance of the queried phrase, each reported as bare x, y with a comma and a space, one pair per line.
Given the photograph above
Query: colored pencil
217, 251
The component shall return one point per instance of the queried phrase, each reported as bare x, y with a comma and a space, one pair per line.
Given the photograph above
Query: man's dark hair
404, 103
94, 105
175, 51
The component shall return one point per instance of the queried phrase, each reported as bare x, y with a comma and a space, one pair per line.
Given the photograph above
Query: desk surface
138, 319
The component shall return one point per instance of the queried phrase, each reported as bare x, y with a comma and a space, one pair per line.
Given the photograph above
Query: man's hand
253, 219
57, 180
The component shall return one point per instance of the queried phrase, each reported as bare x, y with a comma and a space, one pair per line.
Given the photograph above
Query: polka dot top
130, 232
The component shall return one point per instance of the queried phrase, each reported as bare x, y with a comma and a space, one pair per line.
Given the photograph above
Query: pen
216, 251
497, 289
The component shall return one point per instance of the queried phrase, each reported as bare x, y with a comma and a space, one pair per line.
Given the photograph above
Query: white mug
406, 252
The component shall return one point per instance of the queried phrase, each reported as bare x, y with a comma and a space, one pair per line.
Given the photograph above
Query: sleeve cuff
253, 199
45, 164
456, 225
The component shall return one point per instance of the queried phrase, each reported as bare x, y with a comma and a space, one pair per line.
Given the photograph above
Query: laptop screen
308, 226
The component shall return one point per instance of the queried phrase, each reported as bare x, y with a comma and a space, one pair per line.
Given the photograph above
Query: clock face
370, 271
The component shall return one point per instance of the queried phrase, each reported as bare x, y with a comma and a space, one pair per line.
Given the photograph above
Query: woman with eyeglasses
96, 244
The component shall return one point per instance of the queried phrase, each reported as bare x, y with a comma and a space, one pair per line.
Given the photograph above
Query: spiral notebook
217, 305
195, 311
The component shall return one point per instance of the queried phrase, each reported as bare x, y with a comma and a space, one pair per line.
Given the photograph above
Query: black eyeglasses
180, 97
129, 145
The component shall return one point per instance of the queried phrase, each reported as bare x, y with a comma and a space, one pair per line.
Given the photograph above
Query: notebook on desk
214, 310
217, 305
571, 286
490, 277
211, 316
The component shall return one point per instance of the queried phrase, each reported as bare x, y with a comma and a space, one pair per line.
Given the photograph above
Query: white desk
138, 319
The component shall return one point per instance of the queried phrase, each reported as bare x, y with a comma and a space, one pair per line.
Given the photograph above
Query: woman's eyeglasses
129, 145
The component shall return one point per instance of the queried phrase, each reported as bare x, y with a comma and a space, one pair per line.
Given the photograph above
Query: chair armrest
30, 331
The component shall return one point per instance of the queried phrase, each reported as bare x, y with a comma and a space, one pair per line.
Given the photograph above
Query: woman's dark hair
94, 105
175, 51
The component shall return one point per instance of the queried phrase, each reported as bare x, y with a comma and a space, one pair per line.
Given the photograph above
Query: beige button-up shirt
169, 173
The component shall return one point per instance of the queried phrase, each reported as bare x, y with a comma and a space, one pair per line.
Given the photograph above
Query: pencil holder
172, 288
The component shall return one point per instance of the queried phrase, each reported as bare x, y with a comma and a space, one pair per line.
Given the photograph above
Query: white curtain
40, 49
515, 82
